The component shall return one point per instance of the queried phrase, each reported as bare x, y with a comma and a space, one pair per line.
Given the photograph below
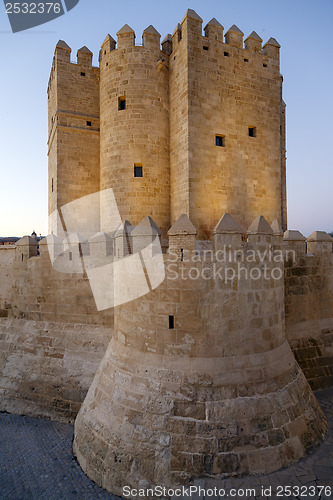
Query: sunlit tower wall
73, 124
226, 126
134, 110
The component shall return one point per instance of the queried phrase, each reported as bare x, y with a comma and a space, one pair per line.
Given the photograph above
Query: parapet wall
41, 293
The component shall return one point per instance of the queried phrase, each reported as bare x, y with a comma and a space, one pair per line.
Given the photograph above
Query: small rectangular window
138, 170
171, 322
70, 256
220, 141
121, 103
246, 59
205, 47
226, 54
265, 65
252, 131
52, 185
82, 73
88, 124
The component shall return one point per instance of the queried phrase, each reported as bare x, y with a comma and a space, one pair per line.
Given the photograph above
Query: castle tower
135, 127
73, 140
197, 128
227, 132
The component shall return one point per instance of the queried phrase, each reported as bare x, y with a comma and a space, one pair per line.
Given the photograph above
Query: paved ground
36, 462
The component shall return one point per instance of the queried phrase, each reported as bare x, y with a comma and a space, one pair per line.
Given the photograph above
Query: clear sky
302, 27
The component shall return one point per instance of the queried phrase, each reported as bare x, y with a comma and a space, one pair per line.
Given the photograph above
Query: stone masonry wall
52, 338
139, 134
309, 312
46, 368
179, 127
7, 257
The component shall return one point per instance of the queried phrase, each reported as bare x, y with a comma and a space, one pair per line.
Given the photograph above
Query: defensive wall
53, 337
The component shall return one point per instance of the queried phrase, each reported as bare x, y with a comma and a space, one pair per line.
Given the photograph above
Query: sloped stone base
150, 419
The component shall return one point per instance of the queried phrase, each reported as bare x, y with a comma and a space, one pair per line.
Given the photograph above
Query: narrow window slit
252, 131
220, 141
121, 103
138, 171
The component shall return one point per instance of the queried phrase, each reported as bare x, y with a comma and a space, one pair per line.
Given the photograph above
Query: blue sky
302, 27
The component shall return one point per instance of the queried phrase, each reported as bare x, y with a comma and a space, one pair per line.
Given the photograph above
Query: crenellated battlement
190, 29
228, 236
212, 37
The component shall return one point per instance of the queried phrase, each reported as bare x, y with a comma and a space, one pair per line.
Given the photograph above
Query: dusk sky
302, 27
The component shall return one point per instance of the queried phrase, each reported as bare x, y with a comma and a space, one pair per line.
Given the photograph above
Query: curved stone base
150, 419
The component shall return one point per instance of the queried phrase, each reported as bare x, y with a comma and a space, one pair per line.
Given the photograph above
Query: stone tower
73, 122
226, 126
196, 128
